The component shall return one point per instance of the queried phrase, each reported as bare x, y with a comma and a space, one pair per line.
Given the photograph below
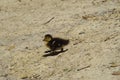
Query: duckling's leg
61, 49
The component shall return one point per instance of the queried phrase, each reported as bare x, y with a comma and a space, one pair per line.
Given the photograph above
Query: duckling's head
47, 38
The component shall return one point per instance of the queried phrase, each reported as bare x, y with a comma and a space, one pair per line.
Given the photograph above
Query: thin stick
49, 20
84, 67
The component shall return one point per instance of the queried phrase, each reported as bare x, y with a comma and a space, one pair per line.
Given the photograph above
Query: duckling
55, 43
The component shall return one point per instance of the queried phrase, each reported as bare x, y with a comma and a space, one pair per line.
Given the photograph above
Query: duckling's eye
47, 38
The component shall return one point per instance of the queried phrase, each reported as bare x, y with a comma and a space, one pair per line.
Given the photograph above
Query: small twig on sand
116, 73
19, 0
83, 68
48, 21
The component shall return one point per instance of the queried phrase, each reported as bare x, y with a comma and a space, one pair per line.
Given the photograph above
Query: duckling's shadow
54, 53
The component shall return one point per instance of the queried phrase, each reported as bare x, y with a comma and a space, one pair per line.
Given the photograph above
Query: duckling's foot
54, 53
47, 51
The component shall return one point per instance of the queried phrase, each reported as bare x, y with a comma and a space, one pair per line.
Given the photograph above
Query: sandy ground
92, 26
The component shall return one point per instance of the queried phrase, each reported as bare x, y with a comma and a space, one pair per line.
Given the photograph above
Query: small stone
81, 33
24, 77
19, 0
26, 47
114, 65
11, 47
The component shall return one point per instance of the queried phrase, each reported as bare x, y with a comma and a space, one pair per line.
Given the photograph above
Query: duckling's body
55, 43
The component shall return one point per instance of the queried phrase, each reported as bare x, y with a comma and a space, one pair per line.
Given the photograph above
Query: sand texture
92, 26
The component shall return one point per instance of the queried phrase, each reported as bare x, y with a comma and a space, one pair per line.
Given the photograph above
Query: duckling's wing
55, 44
62, 41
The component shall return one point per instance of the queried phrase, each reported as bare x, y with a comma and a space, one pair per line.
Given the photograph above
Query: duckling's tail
66, 42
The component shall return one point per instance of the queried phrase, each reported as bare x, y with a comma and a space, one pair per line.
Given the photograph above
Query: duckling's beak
44, 39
